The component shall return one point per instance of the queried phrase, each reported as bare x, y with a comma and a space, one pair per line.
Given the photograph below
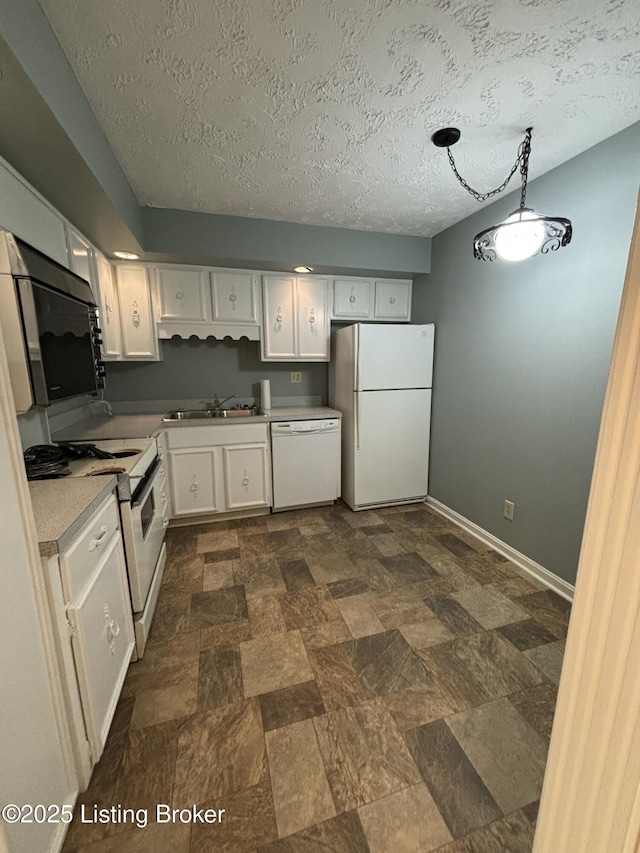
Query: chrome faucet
218, 404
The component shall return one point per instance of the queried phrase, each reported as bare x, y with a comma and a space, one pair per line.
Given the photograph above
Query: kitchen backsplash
200, 369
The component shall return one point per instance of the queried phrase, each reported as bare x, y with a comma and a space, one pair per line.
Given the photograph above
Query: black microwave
55, 317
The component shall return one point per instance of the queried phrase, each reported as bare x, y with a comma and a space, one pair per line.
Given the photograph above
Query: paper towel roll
265, 393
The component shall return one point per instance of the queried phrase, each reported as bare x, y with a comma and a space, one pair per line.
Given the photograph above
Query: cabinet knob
352, 298
194, 485
312, 317
233, 297
392, 300
135, 313
180, 295
279, 318
245, 480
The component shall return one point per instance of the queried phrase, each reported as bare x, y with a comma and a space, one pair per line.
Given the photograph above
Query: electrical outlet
509, 510
296, 377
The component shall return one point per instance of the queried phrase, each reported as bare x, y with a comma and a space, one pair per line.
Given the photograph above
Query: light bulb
519, 236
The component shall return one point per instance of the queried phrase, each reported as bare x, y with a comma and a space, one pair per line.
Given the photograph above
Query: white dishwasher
306, 463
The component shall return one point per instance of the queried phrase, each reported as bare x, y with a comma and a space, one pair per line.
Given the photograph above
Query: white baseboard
523, 563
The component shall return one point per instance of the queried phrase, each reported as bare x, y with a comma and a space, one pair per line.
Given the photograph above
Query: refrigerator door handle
357, 358
357, 401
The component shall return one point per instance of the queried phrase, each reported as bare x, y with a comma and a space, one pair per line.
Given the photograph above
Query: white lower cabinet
215, 469
89, 597
102, 639
193, 481
246, 476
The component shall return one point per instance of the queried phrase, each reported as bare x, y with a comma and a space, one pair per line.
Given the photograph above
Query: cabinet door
182, 295
313, 321
193, 481
102, 642
393, 300
136, 313
81, 257
352, 298
278, 338
246, 476
109, 314
25, 213
234, 298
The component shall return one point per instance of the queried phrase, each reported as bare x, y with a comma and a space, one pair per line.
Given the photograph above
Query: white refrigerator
380, 379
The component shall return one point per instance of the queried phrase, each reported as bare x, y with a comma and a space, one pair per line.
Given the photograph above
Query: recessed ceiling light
126, 256
303, 269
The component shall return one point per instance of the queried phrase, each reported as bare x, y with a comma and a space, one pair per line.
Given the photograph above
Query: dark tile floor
335, 681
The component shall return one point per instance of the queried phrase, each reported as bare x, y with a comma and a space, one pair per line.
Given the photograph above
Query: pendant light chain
522, 162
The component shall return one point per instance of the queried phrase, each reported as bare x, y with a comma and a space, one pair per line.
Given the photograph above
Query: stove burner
45, 461
105, 471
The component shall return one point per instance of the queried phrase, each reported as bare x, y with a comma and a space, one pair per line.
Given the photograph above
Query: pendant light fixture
524, 232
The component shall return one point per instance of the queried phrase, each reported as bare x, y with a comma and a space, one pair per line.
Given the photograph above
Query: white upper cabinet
313, 320
234, 297
392, 300
183, 295
279, 321
88, 263
206, 302
26, 214
384, 300
139, 340
296, 319
352, 298
109, 313
81, 254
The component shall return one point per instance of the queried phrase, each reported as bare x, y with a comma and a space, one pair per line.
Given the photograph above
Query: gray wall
522, 356
199, 369
27, 31
266, 244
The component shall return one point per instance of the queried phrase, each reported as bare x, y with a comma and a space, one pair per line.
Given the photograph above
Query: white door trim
591, 794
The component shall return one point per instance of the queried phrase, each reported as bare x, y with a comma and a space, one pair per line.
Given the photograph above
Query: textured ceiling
321, 111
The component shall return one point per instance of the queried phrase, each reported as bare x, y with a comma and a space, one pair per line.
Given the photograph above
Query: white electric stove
144, 514
133, 458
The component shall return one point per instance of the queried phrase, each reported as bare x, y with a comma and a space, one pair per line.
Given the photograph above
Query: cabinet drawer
216, 436
79, 561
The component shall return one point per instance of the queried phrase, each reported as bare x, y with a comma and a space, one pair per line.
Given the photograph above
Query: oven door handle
146, 484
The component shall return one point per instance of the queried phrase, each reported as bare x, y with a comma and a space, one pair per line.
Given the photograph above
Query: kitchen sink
208, 414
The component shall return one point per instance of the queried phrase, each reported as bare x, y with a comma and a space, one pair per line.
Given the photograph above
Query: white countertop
118, 426
301, 413
61, 508
99, 427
